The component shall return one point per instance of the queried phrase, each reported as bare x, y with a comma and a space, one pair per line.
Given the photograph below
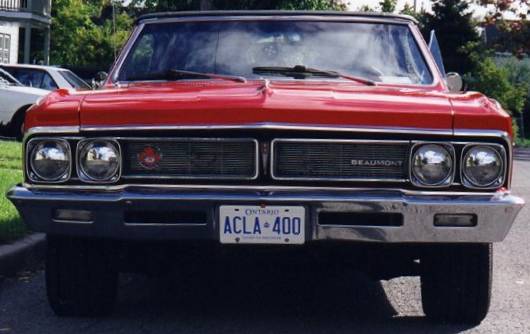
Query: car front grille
348, 160
190, 158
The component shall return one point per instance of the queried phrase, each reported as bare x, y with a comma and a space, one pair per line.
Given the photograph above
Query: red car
284, 129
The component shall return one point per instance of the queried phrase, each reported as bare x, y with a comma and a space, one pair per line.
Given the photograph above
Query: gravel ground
286, 298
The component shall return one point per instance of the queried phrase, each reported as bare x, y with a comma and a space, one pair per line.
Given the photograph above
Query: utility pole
114, 28
415, 6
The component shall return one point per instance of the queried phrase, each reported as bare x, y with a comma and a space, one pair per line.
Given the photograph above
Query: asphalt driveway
292, 298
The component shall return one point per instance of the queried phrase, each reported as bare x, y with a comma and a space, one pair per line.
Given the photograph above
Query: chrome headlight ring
440, 156
103, 156
485, 155
54, 152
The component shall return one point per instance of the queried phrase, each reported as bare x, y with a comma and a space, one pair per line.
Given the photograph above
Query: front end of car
203, 136
333, 185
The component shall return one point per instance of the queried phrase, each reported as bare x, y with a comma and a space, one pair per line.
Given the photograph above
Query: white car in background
15, 99
46, 77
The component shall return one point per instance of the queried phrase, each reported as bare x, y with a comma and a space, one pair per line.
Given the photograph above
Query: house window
5, 48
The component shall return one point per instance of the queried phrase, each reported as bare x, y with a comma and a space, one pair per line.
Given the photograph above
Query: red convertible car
283, 130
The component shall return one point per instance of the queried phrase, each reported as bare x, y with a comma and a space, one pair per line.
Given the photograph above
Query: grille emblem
149, 158
376, 163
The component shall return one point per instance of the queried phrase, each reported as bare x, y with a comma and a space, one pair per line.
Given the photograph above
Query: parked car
46, 77
15, 99
285, 129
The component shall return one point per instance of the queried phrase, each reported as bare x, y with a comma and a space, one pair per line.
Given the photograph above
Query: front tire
16, 126
81, 277
456, 283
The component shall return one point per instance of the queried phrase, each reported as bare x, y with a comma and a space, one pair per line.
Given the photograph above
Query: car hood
217, 103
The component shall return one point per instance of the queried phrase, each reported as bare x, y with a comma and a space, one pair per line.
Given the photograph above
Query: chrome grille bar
340, 160
193, 158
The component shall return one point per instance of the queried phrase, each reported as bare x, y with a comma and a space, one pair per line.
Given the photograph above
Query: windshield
385, 53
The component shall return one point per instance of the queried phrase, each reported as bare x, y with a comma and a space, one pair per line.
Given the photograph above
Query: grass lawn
11, 226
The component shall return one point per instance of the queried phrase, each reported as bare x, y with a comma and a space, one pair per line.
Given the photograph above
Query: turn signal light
455, 220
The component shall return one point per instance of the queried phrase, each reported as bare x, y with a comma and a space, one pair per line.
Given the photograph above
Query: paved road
282, 299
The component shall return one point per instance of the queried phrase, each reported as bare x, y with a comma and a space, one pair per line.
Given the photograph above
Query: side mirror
454, 82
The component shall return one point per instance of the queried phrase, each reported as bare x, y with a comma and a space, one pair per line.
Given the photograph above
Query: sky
478, 11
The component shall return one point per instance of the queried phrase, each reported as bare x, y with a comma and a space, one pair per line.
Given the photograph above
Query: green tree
456, 33
388, 6
165, 5
408, 9
84, 34
366, 8
497, 82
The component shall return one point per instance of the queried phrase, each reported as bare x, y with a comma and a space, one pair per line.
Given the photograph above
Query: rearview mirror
454, 82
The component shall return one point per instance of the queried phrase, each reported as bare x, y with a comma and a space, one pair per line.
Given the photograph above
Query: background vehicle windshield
75, 81
385, 53
33, 77
7, 79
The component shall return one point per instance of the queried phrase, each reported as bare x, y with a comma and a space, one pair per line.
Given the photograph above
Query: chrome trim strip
83, 176
28, 163
272, 158
113, 75
481, 133
263, 188
494, 134
449, 181
196, 139
496, 184
276, 126
233, 17
272, 126
50, 130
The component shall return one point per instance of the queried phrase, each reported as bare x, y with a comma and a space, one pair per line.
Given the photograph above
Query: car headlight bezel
84, 176
449, 178
499, 181
32, 172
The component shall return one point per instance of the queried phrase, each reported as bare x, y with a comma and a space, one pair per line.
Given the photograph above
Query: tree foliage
83, 32
451, 19
165, 5
388, 6
496, 82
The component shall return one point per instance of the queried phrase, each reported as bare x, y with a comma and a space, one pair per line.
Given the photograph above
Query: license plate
245, 224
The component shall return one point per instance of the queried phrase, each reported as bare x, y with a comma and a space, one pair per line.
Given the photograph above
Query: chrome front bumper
495, 212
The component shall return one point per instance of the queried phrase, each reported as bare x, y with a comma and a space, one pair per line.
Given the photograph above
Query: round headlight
49, 160
432, 165
99, 161
483, 167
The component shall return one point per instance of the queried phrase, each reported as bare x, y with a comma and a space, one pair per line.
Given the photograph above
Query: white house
25, 31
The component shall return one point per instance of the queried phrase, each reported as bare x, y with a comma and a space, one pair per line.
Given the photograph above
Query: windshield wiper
303, 72
175, 74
